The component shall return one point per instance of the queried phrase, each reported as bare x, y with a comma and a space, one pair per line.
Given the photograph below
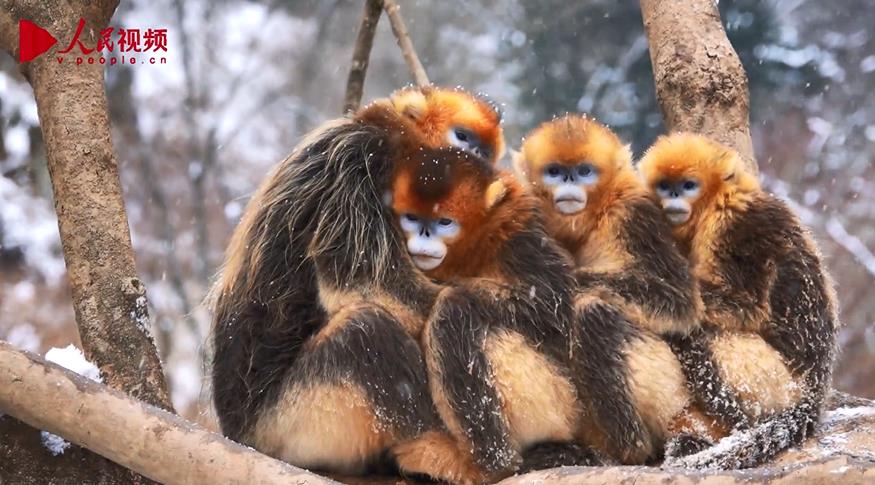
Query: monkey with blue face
498, 342
770, 318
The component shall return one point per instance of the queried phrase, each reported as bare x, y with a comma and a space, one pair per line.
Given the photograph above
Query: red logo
33, 40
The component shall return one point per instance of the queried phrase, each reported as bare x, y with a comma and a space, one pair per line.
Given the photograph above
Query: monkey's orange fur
434, 110
472, 200
725, 181
588, 235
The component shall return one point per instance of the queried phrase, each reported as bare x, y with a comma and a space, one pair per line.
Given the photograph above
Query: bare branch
700, 82
403, 38
151, 441
851, 244
361, 54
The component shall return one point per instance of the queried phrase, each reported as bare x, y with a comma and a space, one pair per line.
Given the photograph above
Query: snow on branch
144, 438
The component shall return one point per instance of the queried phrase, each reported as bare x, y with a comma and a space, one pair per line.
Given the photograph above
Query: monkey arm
667, 308
730, 307
803, 323
704, 380
462, 381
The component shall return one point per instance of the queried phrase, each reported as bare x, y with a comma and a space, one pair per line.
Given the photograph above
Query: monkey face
428, 238
455, 118
468, 141
441, 197
690, 174
568, 185
677, 198
568, 161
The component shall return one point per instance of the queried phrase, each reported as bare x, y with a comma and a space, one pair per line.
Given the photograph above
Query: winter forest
240, 82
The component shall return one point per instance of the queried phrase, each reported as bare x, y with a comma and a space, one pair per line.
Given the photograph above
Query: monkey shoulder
763, 235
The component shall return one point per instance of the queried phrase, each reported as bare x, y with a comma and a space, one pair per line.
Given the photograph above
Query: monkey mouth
677, 215
569, 205
425, 261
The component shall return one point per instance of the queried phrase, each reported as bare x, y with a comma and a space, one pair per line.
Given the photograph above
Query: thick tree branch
361, 55
846, 470
149, 440
403, 38
700, 82
840, 452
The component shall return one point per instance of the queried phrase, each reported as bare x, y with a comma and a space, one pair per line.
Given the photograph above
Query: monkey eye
466, 140
554, 170
690, 185
585, 170
411, 217
663, 185
445, 222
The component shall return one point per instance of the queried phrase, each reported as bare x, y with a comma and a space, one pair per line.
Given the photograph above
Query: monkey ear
495, 193
518, 162
730, 161
411, 103
624, 158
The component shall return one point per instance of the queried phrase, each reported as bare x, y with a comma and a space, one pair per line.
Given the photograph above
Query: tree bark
108, 298
144, 438
839, 452
404, 42
361, 54
700, 82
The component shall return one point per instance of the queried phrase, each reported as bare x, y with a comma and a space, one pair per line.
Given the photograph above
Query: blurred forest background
244, 79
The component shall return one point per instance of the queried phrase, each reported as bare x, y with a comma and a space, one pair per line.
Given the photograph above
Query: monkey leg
634, 386
462, 381
743, 366
552, 454
358, 389
438, 455
495, 390
756, 372
613, 422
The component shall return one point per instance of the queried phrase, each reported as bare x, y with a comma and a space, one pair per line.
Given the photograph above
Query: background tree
108, 298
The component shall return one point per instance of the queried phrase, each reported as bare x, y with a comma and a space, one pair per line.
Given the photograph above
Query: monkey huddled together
393, 301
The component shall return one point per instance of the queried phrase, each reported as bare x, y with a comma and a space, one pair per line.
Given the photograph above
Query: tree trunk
149, 440
700, 82
108, 298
